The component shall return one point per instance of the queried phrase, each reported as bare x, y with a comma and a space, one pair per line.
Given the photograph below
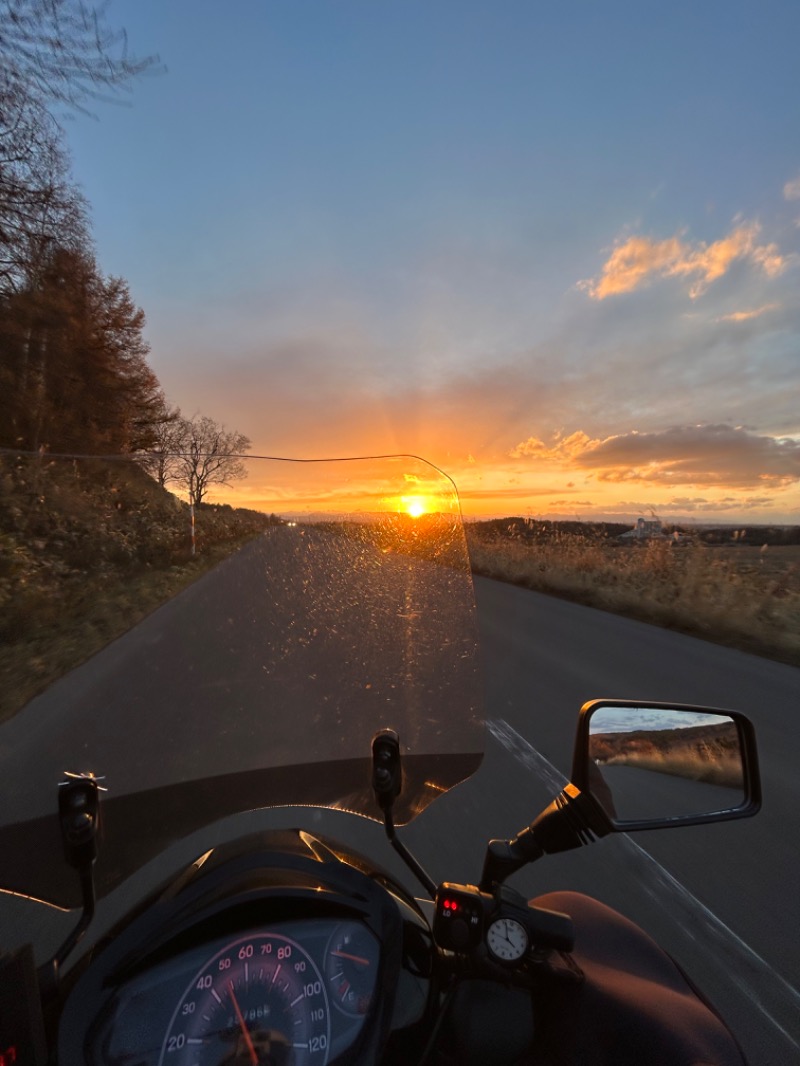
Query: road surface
722, 898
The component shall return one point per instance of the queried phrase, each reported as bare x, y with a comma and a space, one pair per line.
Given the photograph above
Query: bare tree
210, 455
55, 56
62, 52
39, 207
163, 461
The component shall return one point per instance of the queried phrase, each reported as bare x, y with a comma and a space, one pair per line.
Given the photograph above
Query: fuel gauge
351, 967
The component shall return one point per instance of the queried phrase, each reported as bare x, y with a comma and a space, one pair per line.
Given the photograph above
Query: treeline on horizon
532, 529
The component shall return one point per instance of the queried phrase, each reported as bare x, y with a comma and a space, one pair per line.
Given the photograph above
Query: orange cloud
565, 449
791, 189
745, 316
640, 259
633, 262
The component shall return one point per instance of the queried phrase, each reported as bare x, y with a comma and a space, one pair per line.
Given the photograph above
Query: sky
552, 247
629, 719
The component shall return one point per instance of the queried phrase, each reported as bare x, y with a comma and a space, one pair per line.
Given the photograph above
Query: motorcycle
174, 790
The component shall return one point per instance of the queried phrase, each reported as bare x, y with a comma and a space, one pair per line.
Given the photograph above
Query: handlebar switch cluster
459, 921
466, 918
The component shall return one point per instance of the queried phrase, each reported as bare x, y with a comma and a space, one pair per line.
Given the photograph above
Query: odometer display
261, 999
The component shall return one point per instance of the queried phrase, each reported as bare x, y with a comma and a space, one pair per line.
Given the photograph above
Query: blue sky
550, 246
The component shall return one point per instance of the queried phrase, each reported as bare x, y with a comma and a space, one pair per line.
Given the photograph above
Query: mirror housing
640, 766
661, 765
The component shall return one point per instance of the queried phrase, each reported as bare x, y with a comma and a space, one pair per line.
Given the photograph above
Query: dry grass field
738, 594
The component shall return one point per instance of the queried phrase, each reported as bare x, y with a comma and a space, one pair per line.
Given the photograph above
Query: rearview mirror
653, 765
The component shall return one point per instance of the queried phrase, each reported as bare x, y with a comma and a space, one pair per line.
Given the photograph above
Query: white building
645, 529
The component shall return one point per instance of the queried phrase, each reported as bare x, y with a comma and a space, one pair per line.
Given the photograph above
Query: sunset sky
552, 247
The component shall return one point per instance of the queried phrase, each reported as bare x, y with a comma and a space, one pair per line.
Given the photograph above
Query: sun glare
415, 506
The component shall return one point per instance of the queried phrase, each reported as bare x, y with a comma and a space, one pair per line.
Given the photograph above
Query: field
701, 753
742, 595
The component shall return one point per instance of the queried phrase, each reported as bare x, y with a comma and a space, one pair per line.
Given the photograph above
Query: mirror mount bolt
387, 784
80, 822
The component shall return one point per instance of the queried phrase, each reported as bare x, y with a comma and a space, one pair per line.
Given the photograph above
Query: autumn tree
133, 403
210, 455
74, 373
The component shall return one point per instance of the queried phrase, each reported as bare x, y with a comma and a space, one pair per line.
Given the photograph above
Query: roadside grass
86, 552
65, 630
743, 597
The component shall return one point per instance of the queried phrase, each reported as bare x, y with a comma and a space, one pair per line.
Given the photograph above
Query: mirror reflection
647, 763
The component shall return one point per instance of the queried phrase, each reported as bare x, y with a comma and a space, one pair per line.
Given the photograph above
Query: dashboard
275, 948
289, 992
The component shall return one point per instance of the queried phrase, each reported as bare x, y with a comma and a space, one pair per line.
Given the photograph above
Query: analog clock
507, 939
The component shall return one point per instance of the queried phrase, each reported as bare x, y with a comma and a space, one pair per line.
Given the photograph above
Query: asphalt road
722, 899
294, 650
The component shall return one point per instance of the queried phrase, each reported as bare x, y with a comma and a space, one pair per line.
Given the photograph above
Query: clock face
507, 939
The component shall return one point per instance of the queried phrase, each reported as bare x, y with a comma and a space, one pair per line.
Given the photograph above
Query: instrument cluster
292, 992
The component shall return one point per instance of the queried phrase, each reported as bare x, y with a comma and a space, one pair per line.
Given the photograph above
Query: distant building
645, 529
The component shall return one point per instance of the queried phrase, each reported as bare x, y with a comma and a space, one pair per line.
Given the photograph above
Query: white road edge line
524, 752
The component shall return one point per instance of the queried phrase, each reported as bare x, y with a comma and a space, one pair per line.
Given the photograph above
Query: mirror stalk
570, 821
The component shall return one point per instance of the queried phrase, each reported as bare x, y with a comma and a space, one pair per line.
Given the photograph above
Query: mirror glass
652, 763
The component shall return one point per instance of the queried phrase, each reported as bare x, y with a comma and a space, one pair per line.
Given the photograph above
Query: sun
415, 506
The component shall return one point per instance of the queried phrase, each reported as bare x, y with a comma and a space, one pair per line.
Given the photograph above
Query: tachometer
261, 999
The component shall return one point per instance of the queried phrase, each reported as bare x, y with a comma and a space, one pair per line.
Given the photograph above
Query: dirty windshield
238, 653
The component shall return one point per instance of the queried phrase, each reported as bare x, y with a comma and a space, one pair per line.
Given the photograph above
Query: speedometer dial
259, 1000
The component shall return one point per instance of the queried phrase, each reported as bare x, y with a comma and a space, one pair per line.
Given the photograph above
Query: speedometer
260, 999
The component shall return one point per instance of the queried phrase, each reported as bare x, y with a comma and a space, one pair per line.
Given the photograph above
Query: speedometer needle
243, 1027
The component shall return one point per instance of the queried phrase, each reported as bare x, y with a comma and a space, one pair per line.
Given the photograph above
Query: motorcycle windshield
327, 600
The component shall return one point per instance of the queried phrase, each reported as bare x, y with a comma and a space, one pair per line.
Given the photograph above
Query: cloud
689, 503
521, 492
566, 450
746, 316
703, 455
791, 190
639, 260
693, 505
748, 503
